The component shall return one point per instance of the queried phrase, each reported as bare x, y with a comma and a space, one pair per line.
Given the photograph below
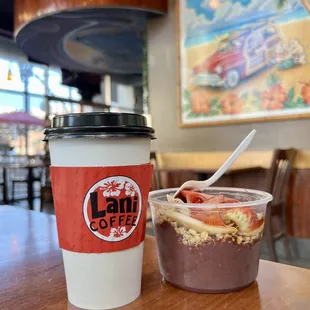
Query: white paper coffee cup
100, 280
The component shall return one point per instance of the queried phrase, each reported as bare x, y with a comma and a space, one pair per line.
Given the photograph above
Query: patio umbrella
21, 118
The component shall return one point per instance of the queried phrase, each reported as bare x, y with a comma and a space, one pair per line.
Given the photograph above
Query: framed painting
243, 61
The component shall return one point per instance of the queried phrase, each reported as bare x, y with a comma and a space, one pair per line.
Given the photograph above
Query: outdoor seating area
22, 178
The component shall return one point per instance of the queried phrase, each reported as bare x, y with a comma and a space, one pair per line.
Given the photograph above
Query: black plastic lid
99, 125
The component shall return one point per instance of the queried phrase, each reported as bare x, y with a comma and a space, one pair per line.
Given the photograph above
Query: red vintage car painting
242, 54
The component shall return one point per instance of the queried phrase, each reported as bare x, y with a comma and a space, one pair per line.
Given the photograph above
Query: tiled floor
300, 248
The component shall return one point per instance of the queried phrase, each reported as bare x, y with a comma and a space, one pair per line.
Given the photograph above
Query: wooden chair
275, 225
46, 196
156, 183
46, 186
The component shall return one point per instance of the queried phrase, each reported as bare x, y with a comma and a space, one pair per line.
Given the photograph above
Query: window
75, 95
35, 80
59, 107
26, 86
19, 144
10, 67
10, 102
35, 143
251, 45
54, 85
36, 106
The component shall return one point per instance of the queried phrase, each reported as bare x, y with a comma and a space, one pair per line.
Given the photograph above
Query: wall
163, 106
8, 49
125, 96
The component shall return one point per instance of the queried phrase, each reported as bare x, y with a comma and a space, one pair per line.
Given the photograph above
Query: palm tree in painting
281, 4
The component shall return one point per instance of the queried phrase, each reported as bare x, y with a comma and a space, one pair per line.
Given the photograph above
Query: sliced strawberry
230, 200
199, 214
255, 222
214, 218
197, 197
194, 197
216, 200
208, 217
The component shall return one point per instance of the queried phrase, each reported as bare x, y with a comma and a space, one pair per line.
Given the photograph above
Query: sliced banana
183, 210
174, 200
239, 218
243, 222
191, 223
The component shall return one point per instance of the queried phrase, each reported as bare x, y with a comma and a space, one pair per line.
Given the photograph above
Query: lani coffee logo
112, 208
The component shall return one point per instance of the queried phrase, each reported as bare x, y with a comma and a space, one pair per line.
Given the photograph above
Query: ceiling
85, 82
129, 64
97, 40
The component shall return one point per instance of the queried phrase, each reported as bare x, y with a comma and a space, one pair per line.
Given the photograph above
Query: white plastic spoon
201, 185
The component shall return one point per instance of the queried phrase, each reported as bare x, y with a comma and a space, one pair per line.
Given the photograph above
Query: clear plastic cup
209, 248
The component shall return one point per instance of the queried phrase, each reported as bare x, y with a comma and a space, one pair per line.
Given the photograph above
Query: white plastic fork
201, 185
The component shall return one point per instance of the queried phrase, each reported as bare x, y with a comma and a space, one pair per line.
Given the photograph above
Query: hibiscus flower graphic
112, 188
118, 232
130, 189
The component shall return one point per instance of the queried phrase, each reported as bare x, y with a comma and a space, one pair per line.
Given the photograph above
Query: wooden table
32, 275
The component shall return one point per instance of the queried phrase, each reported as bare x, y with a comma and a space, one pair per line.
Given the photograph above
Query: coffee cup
101, 176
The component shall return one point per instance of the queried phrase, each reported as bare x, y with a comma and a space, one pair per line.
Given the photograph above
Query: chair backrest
280, 172
156, 174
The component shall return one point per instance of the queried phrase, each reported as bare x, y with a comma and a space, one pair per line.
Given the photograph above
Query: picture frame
273, 53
